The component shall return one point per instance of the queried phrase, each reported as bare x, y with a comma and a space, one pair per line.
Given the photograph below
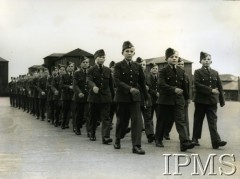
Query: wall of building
3, 78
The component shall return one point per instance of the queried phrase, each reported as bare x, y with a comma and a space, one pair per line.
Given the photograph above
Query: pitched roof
228, 77
3, 60
162, 60
57, 55
36, 66
232, 85
77, 52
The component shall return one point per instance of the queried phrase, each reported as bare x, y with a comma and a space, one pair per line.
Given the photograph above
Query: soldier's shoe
150, 138
117, 144
67, 127
78, 132
219, 144
166, 136
56, 124
159, 143
37, 117
92, 137
138, 150
186, 145
195, 142
106, 140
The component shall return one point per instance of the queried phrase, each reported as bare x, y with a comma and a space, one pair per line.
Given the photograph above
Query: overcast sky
31, 30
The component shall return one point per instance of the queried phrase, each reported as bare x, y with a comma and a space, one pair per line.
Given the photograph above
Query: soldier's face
70, 67
181, 64
206, 62
129, 53
62, 71
154, 70
173, 60
85, 64
100, 60
143, 64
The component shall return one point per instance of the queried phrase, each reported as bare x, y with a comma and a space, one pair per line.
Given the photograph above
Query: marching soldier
66, 83
152, 82
36, 94
10, 90
129, 80
42, 91
208, 92
172, 96
56, 88
147, 109
100, 83
113, 105
80, 96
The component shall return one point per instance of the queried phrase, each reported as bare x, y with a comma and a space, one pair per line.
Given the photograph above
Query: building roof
228, 77
54, 55
233, 85
162, 60
36, 66
77, 52
3, 60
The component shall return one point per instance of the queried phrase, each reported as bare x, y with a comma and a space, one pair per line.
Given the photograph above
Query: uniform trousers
125, 111
211, 112
66, 109
169, 112
148, 122
81, 115
100, 111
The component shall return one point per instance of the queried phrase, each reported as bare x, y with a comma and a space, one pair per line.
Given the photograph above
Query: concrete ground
30, 148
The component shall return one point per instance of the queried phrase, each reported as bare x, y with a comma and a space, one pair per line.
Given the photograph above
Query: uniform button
131, 75
210, 77
176, 81
210, 81
130, 70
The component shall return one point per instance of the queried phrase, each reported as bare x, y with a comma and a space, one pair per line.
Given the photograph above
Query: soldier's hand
178, 91
147, 87
56, 92
95, 89
43, 93
29, 92
189, 101
81, 95
157, 94
134, 91
215, 91
71, 87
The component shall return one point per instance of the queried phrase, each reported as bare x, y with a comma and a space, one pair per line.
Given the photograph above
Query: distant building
161, 62
73, 56
3, 77
231, 87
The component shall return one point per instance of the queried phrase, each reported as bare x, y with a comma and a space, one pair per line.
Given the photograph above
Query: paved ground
30, 148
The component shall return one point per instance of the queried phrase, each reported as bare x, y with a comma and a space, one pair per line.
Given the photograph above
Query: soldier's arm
53, 88
111, 84
90, 82
75, 83
201, 88
221, 92
63, 84
117, 79
142, 83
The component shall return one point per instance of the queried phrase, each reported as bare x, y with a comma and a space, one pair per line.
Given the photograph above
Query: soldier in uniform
10, 90
58, 72
152, 82
100, 83
42, 91
129, 80
147, 109
66, 83
172, 96
113, 105
80, 96
36, 94
208, 92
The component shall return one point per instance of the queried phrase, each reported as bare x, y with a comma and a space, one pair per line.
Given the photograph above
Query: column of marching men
91, 96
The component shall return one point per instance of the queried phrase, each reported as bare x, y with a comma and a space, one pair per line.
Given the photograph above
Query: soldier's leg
164, 113
37, 108
212, 123
106, 121
136, 123
186, 118
94, 115
123, 116
180, 123
199, 115
65, 109
148, 123
79, 113
86, 117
